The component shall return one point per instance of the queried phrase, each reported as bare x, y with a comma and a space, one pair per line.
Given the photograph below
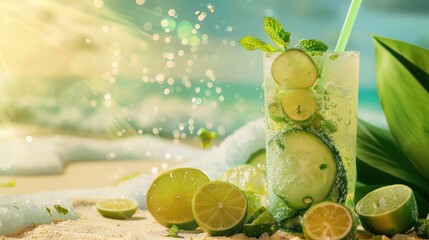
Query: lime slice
219, 208
388, 210
263, 224
299, 104
169, 197
247, 178
120, 208
294, 69
305, 170
258, 159
328, 220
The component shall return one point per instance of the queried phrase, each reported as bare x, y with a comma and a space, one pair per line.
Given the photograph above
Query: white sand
92, 226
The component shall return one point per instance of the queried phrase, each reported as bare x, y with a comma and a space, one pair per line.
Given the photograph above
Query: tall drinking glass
311, 121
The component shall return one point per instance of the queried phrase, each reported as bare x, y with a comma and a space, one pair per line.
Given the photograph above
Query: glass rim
327, 53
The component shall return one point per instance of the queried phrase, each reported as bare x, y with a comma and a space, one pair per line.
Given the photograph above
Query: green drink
311, 121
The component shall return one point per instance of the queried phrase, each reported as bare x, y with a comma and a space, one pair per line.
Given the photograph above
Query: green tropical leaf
403, 89
377, 148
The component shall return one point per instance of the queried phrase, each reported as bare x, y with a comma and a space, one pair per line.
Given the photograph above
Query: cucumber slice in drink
294, 69
299, 104
305, 169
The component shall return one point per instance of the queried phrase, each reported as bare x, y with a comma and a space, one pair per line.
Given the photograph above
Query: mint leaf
206, 137
11, 183
61, 210
174, 231
252, 43
49, 211
274, 29
312, 45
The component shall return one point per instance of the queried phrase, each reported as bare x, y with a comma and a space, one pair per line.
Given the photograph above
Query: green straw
348, 25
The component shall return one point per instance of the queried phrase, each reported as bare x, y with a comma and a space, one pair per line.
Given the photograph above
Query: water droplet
140, 2
197, 13
29, 139
210, 7
172, 12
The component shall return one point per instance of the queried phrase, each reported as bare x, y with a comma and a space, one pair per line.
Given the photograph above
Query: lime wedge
254, 206
219, 208
328, 220
265, 217
388, 210
307, 171
299, 104
120, 208
247, 178
169, 197
263, 224
294, 69
257, 230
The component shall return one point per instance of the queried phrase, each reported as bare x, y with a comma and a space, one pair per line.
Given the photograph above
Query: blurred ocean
168, 68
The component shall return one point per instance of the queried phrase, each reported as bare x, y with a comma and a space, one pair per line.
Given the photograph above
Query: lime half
120, 208
388, 210
247, 178
294, 69
170, 195
219, 208
328, 220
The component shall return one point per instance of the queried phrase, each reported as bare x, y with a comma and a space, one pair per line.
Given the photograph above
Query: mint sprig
274, 29
252, 43
281, 39
312, 45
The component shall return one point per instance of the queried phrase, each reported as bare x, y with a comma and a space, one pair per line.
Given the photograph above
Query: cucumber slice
304, 170
299, 104
294, 69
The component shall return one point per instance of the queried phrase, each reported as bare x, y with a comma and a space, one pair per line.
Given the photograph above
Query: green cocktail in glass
311, 121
